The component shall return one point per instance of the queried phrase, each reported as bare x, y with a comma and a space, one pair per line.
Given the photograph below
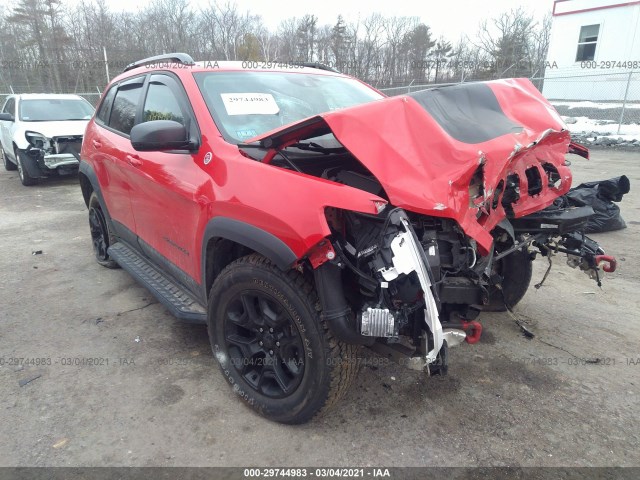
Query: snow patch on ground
588, 125
598, 105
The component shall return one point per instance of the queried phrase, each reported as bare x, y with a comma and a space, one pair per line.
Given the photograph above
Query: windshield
55, 110
247, 104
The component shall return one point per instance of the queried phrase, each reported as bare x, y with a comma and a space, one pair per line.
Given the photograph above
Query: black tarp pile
600, 195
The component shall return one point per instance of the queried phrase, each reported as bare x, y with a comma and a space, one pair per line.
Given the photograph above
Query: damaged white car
42, 134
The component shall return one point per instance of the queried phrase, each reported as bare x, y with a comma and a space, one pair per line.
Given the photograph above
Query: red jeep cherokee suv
300, 214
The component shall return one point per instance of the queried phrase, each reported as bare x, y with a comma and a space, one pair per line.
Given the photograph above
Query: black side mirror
159, 135
7, 117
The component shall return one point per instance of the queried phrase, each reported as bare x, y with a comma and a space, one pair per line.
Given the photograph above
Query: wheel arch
226, 239
85, 187
89, 184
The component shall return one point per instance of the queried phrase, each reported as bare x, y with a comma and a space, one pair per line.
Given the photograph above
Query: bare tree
507, 40
57, 45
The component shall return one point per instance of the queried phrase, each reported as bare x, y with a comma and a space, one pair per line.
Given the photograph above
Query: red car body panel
425, 170
112, 171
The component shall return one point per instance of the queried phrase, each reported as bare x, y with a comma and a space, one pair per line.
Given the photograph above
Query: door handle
134, 161
96, 143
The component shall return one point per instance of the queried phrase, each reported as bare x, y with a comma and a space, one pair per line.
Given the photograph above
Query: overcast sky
449, 18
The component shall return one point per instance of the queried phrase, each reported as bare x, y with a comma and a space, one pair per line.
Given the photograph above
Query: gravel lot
154, 396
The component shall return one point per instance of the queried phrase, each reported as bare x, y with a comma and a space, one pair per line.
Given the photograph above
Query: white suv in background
42, 134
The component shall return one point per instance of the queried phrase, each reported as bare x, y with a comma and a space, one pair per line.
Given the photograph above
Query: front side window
161, 104
247, 104
55, 110
587, 43
123, 112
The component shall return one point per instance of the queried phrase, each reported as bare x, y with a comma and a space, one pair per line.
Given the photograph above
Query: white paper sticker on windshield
249, 103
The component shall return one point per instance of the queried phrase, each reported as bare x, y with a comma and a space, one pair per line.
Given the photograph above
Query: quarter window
587, 42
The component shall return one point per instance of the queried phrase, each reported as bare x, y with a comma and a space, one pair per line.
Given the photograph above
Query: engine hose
335, 310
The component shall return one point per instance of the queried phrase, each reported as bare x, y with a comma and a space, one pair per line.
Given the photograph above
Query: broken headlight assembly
37, 141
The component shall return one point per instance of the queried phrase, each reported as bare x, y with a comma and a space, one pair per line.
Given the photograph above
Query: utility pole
106, 64
624, 103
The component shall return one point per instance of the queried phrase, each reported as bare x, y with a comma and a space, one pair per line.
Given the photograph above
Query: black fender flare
86, 170
250, 236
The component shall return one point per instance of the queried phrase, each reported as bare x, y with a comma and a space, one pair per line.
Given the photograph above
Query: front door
165, 185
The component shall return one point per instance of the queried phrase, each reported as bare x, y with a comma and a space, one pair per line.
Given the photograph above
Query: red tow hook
476, 327
610, 265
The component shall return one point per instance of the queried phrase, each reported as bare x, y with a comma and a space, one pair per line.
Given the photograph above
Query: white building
593, 50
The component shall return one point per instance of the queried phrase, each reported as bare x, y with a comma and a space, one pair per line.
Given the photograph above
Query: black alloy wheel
264, 344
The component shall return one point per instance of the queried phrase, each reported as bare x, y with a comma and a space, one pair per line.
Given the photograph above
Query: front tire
26, 179
271, 344
101, 236
516, 270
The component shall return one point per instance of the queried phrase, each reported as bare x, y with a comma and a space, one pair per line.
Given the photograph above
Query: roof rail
318, 65
181, 58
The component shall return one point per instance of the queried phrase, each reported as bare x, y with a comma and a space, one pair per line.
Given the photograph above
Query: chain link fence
92, 97
602, 103
596, 105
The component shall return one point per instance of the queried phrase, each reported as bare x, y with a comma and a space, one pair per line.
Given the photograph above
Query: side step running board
176, 299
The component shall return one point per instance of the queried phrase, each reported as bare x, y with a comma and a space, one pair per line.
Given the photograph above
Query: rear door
165, 185
110, 149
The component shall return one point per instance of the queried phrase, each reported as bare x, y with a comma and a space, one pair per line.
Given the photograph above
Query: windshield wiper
314, 147
307, 146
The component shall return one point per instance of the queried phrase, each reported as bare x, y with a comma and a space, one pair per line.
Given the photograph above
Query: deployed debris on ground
600, 195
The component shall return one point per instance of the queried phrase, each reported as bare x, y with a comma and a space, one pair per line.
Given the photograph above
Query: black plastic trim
181, 58
171, 270
157, 284
251, 237
554, 220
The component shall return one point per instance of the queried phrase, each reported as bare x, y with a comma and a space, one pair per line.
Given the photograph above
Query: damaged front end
468, 187
59, 154
411, 286
388, 288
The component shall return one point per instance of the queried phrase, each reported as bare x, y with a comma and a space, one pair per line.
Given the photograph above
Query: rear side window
123, 112
161, 104
105, 107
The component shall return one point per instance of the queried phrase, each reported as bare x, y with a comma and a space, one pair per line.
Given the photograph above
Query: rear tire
101, 235
9, 166
271, 344
26, 179
516, 270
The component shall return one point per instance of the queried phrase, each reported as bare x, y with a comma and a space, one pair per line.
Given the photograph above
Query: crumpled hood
424, 148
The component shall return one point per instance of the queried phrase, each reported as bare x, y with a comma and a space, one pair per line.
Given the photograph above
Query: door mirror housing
160, 135
7, 117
